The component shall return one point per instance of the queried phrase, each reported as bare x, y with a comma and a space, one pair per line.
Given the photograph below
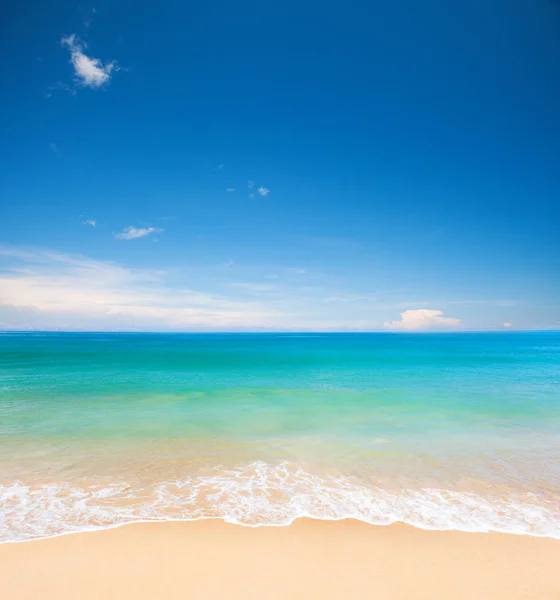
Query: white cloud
263, 191
508, 325
42, 289
91, 222
423, 319
220, 167
251, 195
230, 190
250, 184
131, 233
90, 72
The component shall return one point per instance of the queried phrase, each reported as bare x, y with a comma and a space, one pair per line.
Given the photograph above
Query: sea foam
261, 494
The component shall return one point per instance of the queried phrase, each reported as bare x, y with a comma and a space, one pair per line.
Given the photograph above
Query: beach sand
308, 560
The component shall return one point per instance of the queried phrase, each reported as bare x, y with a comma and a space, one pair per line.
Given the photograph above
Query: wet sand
319, 560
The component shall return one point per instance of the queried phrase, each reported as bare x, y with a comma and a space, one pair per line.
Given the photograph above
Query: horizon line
264, 332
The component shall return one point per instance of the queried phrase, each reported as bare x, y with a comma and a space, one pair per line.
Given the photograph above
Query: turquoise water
438, 430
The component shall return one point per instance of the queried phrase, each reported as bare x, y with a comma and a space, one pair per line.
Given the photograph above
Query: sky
303, 166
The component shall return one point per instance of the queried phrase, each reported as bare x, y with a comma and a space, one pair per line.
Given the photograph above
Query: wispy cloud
255, 288
46, 289
88, 18
508, 325
423, 319
250, 184
91, 222
132, 233
59, 86
349, 298
485, 302
296, 271
55, 148
231, 190
89, 72
263, 191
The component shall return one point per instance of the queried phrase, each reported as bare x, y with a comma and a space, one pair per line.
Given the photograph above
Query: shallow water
438, 430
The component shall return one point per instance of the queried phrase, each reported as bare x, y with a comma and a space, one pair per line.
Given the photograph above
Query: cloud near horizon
423, 319
46, 290
89, 72
42, 289
132, 233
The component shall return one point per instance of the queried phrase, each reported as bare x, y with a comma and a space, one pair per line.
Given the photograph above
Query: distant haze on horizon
248, 167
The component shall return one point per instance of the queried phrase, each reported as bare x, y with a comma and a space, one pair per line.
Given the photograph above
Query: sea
438, 430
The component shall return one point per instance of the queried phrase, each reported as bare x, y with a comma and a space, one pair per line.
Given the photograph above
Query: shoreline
397, 523
261, 494
310, 558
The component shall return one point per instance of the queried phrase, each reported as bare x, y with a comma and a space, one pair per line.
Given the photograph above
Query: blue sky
309, 166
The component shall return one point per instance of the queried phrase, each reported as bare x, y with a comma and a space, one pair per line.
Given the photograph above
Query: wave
260, 494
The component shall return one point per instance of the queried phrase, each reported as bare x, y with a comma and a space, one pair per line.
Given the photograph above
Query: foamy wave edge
263, 495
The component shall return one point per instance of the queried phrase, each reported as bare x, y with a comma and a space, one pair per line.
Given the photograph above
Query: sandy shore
342, 560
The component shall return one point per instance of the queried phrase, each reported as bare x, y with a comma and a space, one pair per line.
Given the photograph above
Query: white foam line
243, 495
421, 526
